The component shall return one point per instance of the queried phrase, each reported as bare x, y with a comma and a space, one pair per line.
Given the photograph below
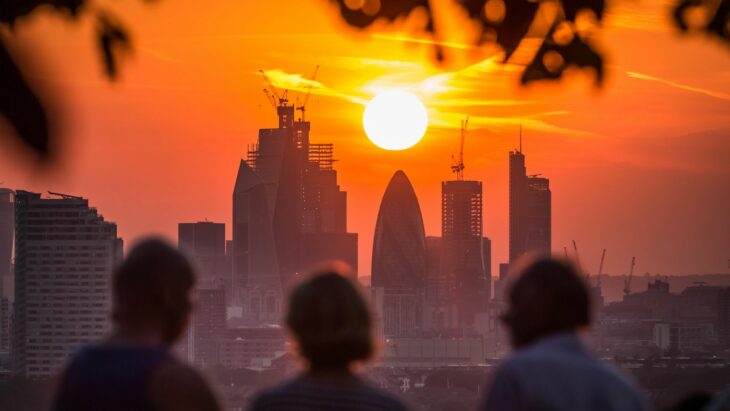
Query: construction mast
627, 282
457, 167
600, 269
302, 105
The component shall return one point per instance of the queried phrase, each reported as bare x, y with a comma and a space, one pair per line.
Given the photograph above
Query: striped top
325, 393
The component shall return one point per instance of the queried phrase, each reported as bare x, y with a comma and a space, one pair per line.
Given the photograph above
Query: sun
395, 120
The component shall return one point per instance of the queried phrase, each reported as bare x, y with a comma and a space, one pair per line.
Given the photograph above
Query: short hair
548, 297
331, 321
152, 285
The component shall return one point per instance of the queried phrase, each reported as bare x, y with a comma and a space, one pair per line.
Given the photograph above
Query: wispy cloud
534, 122
710, 93
296, 82
418, 40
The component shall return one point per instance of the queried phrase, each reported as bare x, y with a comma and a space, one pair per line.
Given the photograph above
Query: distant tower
399, 258
7, 228
529, 209
205, 243
65, 253
462, 260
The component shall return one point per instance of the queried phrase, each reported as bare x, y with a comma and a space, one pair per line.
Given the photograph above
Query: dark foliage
20, 106
20, 103
507, 22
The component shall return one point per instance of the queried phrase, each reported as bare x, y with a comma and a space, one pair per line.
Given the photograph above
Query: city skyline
196, 95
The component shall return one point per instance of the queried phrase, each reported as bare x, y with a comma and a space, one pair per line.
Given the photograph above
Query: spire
520, 138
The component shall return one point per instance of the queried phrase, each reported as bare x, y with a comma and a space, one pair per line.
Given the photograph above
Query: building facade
462, 248
64, 254
399, 258
530, 213
205, 244
289, 215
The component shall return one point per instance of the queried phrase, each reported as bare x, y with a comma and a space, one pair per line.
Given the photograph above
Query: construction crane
458, 166
302, 105
600, 269
273, 95
577, 257
627, 281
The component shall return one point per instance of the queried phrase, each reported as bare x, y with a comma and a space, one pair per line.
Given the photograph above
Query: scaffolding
322, 155
252, 154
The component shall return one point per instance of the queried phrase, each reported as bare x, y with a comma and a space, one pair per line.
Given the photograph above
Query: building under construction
289, 213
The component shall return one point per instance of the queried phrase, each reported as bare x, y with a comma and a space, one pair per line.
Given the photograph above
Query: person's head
548, 297
152, 291
331, 321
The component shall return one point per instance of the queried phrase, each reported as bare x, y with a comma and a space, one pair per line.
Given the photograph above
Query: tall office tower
64, 254
208, 326
539, 228
205, 243
7, 228
529, 210
399, 258
462, 260
288, 215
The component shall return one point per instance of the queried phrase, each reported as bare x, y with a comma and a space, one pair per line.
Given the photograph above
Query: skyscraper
399, 258
205, 243
64, 255
529, 209
462, 261
7, 228
289, 214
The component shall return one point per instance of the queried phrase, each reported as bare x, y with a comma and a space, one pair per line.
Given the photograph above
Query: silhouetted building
399, 258
7, 228
529, 210
252, 347
205, 243
208, 326
656, 320
289, 214
64, 255
462, 261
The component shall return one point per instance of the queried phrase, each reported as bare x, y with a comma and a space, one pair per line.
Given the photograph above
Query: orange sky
640, 167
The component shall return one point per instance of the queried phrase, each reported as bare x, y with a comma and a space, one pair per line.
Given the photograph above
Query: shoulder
303, 389
177, 386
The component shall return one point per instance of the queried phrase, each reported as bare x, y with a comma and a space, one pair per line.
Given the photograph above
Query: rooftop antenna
520, 138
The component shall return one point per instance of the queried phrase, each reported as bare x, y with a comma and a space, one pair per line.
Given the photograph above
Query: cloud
296, 82
710, 93
499, 124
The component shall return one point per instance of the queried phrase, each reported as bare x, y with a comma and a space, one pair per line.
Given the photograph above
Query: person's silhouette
332, 327
551, 368
133, 369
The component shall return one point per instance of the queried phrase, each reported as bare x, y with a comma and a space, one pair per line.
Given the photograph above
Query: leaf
21, 107
389, 9
509, 31
576, 53
113, 40
11, 10
572, 7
